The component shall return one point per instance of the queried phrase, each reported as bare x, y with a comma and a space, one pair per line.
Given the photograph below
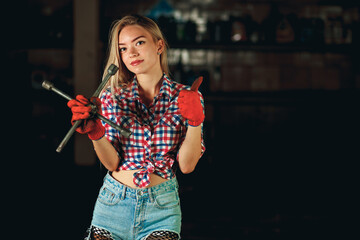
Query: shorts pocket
107, 196
167, 200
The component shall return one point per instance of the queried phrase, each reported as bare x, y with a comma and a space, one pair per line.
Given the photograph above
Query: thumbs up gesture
190, 105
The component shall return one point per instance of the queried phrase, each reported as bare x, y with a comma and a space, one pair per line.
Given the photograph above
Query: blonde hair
123, 76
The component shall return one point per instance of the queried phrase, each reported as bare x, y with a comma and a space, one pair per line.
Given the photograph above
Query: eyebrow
133, 39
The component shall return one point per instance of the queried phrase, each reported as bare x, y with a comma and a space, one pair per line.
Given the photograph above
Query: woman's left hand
190, 105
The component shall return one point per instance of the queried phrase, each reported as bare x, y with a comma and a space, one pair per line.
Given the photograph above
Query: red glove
190, 104
81, 109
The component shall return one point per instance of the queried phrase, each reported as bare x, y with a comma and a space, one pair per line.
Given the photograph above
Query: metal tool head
112, 69
47, 85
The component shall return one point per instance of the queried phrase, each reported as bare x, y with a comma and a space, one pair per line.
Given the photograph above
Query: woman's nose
133, 52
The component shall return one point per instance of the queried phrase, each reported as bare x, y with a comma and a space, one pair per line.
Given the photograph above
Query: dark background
282, 116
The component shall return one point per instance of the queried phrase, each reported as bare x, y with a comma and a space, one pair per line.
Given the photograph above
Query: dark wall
281, 127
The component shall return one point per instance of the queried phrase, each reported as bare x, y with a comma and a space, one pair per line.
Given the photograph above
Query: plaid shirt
157, 131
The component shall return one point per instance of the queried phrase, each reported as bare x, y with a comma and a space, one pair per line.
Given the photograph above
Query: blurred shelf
282, 97
315, 48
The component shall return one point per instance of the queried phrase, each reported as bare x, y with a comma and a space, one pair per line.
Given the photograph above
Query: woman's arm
190, 150
106, 153
191, 106
81, 109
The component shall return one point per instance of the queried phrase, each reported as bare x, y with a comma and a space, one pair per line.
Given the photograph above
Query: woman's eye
122, 49
140, 43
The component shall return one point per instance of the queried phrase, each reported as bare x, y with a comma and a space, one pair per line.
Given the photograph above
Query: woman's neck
149, 86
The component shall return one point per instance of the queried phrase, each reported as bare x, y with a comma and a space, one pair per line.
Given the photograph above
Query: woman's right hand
82, 110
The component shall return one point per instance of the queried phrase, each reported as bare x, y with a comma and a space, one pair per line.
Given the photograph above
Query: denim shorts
129, 213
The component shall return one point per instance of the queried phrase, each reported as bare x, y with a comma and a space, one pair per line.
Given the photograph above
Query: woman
139, 197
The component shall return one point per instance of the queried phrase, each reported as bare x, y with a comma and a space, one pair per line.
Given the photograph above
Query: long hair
123, 76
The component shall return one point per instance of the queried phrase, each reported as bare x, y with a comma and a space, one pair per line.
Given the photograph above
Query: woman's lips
136, 62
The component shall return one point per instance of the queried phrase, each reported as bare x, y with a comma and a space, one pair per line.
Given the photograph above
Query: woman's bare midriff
126, 177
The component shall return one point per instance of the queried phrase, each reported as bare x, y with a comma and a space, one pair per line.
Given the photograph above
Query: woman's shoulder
113, 95
174, 87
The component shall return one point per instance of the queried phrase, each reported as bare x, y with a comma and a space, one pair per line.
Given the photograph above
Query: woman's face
138, 50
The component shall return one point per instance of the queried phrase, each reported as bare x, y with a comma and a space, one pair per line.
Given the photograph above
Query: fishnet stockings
100, 234
163, 235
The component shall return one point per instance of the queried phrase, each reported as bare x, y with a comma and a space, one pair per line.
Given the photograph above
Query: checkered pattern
157, 131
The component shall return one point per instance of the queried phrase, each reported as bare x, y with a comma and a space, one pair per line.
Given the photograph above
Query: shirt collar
166, 89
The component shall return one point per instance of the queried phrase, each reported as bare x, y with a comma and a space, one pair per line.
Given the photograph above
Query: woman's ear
160, 46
